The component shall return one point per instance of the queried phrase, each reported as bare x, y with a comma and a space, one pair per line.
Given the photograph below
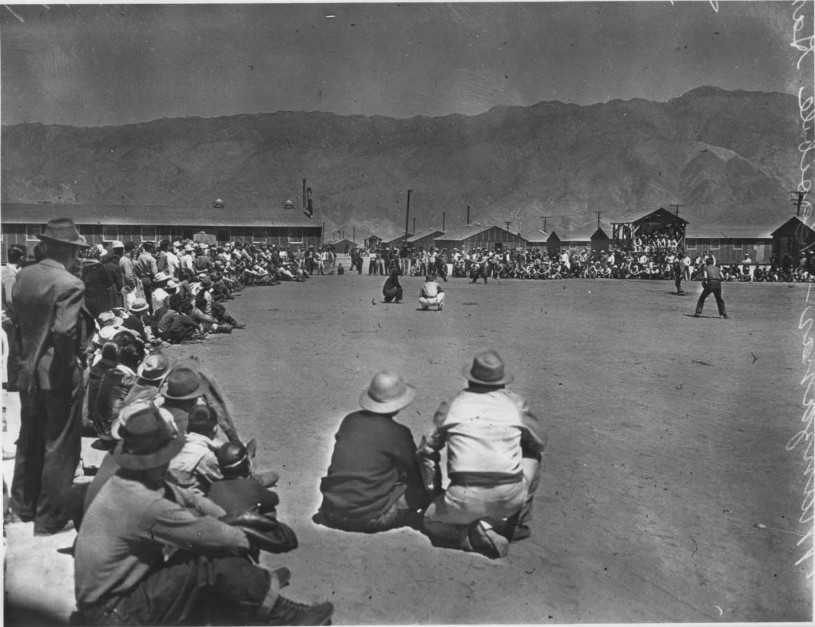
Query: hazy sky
113, 64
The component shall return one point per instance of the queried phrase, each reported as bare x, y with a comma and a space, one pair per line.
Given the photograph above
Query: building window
714, 244
32, 231
295, 236
690, 243
148, 234
738, 244
258, 236
110, 233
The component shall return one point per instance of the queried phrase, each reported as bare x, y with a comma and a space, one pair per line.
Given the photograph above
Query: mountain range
726, 157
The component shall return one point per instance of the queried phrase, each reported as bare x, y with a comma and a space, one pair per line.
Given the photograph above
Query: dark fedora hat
183, 383
149, 436
487, 369
63, 230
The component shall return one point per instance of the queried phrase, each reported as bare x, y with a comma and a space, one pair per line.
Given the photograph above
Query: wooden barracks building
102, 224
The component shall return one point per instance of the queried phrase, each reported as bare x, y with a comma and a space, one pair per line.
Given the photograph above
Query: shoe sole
489, 541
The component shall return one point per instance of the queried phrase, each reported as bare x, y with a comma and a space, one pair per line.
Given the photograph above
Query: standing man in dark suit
54, 330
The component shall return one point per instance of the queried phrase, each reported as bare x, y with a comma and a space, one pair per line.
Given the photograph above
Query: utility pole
355, 234
798, 201
414, 225
407, 216
468, 215
676, 208
598, 218
443, 216
544, 223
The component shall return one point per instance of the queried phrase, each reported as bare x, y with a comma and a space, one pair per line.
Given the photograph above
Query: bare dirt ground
667, 446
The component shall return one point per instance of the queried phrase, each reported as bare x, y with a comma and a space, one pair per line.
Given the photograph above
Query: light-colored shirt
195, 467
485, 434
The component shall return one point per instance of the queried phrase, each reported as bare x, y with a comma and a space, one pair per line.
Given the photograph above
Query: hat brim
131, 461
199, 391
505, 380
79, 243
372, 405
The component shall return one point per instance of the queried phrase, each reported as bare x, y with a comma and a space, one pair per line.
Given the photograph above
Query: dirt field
667, 446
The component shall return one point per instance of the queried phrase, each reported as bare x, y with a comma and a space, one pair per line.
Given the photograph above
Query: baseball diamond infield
669, 492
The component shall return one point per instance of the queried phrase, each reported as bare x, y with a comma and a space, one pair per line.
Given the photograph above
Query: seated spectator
373, 482
151, 374
116, 384
431, 293
196, 466
122, 574
182, 327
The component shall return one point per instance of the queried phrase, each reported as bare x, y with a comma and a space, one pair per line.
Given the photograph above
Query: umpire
711, 283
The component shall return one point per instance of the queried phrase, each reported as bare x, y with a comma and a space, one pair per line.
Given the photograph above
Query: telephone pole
599, 213
798, 201
676, 208
407, 216
544, 223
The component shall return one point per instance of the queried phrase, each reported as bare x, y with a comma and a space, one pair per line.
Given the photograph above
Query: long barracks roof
463, 233
729, 231
156, 215
428, 233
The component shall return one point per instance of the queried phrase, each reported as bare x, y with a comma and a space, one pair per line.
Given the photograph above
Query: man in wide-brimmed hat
373, 482
121, 574
54, 329
494, 447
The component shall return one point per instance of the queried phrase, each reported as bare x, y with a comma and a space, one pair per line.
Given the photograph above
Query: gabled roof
729, 231
796, 219
535, 235
465, 232
155, 215
585, 234
422, 234
639, 214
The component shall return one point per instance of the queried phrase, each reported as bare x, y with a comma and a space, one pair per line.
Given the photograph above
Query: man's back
430, 289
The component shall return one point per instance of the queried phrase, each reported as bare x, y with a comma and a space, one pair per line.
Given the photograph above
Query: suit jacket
54, 325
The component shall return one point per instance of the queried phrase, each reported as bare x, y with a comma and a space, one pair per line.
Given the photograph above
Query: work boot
486, 540
224, 328
287, 612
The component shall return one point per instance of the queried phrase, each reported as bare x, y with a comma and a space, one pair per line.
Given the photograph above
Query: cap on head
387, 394
487, 368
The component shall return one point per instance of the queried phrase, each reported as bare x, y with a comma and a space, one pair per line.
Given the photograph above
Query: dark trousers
392, 293
678, 282
13, 361
188, 587
715, 287
48, 452
404, 512
479, 270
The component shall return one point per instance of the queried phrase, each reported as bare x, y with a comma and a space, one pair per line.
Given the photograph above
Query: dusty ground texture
667, 446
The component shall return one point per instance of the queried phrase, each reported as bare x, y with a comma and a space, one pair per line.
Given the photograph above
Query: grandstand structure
645, 224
